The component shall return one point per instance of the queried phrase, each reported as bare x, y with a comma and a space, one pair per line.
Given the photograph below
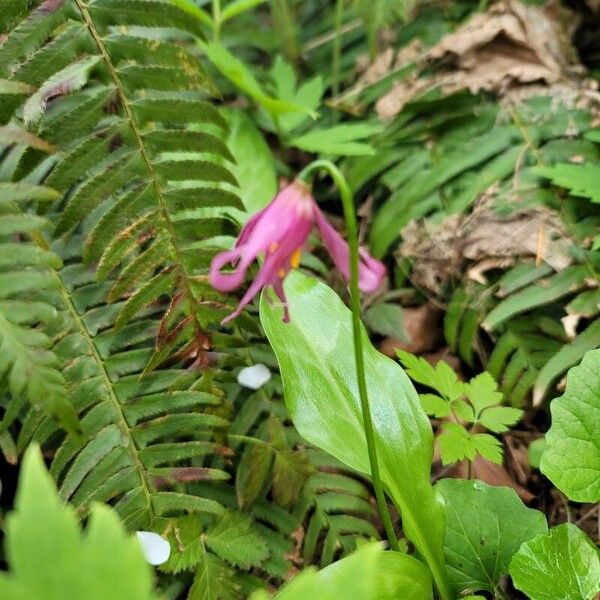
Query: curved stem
352, 233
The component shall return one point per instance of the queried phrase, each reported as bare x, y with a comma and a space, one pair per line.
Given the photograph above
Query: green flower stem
216, 14
352, 232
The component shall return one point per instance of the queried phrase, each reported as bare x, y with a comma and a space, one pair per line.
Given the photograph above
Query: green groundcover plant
162, 438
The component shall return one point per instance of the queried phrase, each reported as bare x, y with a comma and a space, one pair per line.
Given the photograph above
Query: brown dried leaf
511, 44
422, 326
481, 241
492, 474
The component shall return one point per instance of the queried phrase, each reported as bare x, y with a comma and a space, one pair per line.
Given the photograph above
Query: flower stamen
295, 260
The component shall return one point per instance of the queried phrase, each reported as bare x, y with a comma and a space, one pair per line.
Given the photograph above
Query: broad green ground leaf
316, 358
571, 459
254, 166
561, 565
368, 574
485, 526
50, 559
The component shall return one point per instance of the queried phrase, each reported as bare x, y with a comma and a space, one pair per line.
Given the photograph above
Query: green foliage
474, 404
571, 459
49, 556
114, 136
485, 526
315, 356
338, 509
466, 160
561, 564
369, 574
28, 284
385, 318
580, 180
241, 76
254, 166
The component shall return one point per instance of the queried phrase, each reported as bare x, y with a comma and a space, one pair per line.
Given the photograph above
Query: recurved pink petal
370, 271
276, 265
225, 282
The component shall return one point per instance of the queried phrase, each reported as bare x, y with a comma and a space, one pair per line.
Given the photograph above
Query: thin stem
337, 48
352, 233
216, 15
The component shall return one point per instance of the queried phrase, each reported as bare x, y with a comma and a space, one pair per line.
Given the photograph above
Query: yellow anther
273, 247
295, 260
281, 273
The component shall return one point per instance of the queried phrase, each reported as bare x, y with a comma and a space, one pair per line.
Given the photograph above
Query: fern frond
28, 281
136, 434
337, 509
140, 148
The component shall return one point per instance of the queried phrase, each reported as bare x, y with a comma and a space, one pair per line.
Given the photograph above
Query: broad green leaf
254, 166
561, 565
395, 576
581, 180
571, 459
50, 559
368, 574
315, 355
237, 72
485, 526
338, 140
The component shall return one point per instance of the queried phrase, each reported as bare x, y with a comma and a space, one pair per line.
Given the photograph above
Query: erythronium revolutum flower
279, 232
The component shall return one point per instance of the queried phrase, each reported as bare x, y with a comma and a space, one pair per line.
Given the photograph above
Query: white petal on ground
254, 377
155, 548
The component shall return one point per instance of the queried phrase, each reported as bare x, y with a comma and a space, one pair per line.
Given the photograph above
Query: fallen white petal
155, 548
254, 377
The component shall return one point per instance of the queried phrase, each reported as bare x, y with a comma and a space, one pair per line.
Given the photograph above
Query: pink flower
279, 231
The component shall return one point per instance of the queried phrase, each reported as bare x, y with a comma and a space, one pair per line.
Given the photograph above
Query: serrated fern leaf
139, 149
28, 364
